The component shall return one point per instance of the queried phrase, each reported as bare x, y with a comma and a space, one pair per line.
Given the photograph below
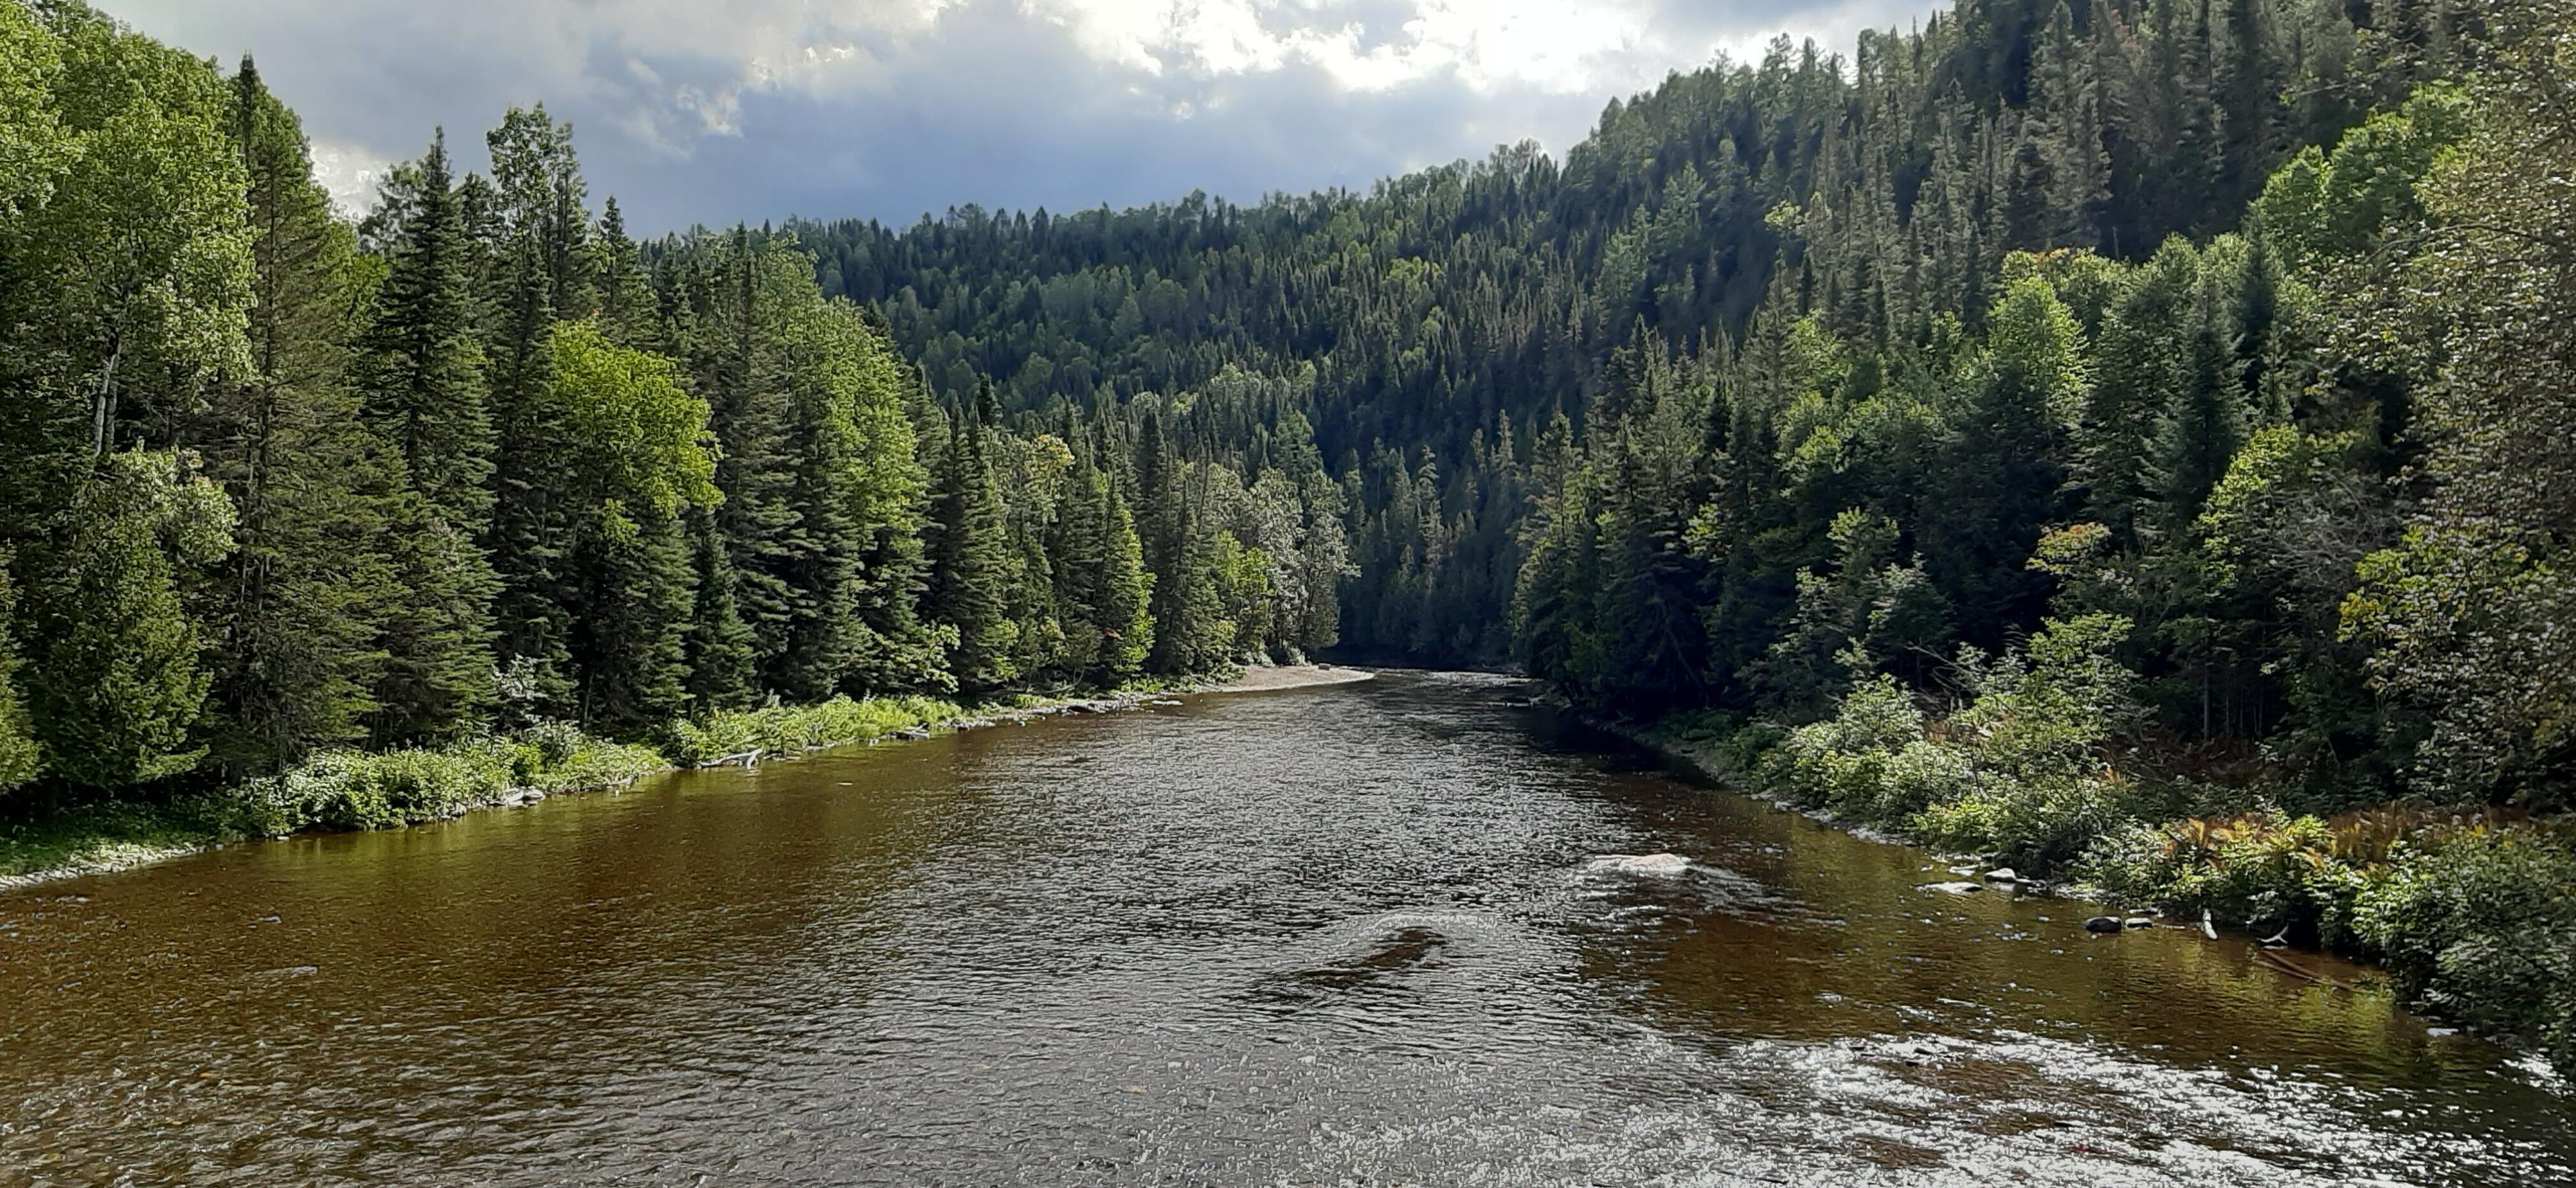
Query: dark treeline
275, 483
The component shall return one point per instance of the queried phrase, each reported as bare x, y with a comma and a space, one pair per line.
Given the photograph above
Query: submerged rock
1662, 866
2103, 924
1955, 888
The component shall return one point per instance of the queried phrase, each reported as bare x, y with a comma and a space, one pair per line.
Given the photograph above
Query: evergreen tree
638, 454
538, 276
718, 650
418, 375
972, 568
115, 674
295, 648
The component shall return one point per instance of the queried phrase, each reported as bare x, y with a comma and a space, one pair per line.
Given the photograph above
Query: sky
712, 111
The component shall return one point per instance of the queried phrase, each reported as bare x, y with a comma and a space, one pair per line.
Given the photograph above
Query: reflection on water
1387, 933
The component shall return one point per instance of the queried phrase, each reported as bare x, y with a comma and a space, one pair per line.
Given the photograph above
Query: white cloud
738, 108
349, 173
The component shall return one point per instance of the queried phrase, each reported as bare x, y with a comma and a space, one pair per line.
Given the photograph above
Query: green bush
2038, 821
594, 763
2017, 774
1924, 774
785, 730
355, 790
2479, 925
2264, 869
1841, 763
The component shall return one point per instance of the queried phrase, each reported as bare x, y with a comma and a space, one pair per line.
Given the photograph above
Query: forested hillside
1437, 326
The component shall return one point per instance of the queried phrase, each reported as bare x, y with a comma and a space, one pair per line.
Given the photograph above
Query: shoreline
104, 852
1723, 773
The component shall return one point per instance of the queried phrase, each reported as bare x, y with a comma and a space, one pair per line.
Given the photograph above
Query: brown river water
1372, 934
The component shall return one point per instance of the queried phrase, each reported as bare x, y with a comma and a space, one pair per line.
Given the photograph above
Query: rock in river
1662, 866
2102, 924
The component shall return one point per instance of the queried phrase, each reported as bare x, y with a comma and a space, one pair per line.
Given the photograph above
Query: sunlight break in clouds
695, 110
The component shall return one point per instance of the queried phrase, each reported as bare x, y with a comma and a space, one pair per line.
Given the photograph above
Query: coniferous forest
2126, 440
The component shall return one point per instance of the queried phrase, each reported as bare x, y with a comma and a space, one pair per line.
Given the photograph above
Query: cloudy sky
717, 110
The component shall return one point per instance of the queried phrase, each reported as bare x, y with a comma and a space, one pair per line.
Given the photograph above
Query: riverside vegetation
2124, 439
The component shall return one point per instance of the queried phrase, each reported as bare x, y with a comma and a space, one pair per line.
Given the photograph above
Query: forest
2121, 440
280, 484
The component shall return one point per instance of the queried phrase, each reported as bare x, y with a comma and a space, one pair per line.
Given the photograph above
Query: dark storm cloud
692, 111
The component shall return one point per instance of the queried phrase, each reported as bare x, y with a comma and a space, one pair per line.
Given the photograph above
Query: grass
349, 789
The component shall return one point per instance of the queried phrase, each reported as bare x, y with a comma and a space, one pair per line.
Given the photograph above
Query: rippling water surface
1390, 933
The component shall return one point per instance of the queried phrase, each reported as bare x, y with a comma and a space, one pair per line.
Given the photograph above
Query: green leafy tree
639, 453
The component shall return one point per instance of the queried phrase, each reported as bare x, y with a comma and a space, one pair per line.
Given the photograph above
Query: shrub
1924, 774
2037, 821
594, 763
1841, 763
2479, 924
2264, 869
783, 730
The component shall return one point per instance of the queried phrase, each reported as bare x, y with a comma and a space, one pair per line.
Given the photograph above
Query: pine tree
1179, 551
897, 648
639, 454
629, 310
539, 277
2000, 466
115, 673
1122, 609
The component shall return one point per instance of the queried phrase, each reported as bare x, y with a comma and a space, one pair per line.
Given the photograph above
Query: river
1372, 934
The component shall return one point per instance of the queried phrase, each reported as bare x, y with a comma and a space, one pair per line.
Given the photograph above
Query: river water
1373, 934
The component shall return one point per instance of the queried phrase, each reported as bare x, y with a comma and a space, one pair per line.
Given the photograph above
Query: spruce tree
1122, 606
638, 454
115, 675
418, 376
540, 275
971, 565
896, 648
718, 650
296, 654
